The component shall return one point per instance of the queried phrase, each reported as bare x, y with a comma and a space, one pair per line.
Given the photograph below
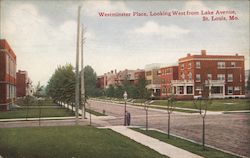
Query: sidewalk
159, 146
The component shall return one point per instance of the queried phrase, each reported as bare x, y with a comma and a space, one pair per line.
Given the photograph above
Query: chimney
203, 52
188, 54
115, 71
112, 71
236, 54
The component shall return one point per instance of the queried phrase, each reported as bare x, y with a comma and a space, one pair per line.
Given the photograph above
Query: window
169, 70
189, 65
230, 78
182, 66
190, 75
189, 89
221, 77
163, 81
148, 73
163, 90
221, 65
198, 64
198, 77
182, 76
230, 90
180, 90
209, 76
233, 64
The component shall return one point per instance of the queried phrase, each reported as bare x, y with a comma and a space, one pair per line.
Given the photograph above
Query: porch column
185, 89
223, 90
209, 90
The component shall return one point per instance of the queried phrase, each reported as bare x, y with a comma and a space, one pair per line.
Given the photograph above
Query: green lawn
31, 101
217, 105
186, 145
95, 112
69, 142
34, 112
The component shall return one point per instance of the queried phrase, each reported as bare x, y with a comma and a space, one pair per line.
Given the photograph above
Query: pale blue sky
43, 33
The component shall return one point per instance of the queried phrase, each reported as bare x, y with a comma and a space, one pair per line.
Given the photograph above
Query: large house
212, 76
7, 75
23, 84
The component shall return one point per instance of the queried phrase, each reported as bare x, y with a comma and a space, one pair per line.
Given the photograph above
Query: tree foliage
135, 91
61, 86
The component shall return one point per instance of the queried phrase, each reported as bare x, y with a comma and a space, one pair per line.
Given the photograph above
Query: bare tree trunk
168, 125
146, 119
203, 134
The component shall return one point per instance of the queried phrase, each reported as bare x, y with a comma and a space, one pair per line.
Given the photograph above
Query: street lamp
125, 96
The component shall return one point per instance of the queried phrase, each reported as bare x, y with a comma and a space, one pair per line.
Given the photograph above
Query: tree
170, 109
202, 104
142, 91
61, 86
90, 81
110, 91
39, 90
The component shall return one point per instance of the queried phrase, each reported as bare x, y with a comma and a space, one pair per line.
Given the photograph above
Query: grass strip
34, 113
186, 145
95, 112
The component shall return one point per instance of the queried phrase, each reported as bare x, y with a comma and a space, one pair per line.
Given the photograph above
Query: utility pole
82, 76
77, 89
1, 17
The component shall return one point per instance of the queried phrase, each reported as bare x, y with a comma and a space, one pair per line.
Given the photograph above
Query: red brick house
22, 83
100, 82
213, 76
139, 74
7, 75
167, 75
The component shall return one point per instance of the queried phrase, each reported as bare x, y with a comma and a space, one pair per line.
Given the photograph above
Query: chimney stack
203, 52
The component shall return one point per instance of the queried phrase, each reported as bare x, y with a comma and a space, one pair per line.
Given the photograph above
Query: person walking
128, 118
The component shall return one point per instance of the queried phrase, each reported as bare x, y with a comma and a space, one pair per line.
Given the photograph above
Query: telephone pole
82, 76
77, 89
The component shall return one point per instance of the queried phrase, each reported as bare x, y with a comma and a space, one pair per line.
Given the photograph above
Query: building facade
7, 75
168, 74
23, 84
212, 76
139, 74
152, 76
100, 82
110, 79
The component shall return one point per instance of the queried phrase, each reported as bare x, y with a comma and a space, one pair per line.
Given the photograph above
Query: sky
43, 33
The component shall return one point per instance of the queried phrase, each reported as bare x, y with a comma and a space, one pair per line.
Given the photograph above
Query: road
225, 131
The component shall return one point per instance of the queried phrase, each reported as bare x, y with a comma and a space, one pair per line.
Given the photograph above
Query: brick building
168, 74
23, 84
7, 75
109, 79
213, 76
139, 74
100, 82
152, 76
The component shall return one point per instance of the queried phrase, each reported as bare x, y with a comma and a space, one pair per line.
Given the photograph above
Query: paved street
226, 131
